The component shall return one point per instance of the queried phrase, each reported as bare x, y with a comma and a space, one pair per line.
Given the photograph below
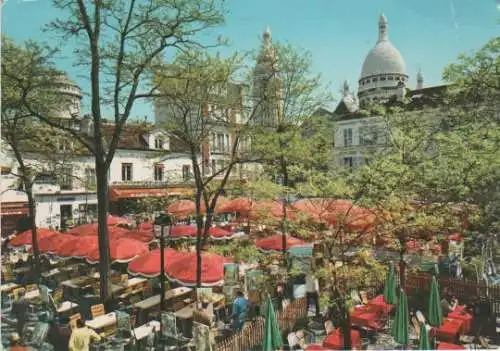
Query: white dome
384, 58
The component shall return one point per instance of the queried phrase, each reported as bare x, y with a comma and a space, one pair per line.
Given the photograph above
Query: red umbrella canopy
145, 226
315, 347
114, 220
190, 231
240, 205
181, 208
264, 209
92, 230
53, 243
24, 238
275, 242
122, 250
143, 236
318, 208
183, 269
354, 218
79, 248
148, 265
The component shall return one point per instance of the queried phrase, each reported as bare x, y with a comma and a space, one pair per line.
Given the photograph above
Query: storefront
14, 217
60, 210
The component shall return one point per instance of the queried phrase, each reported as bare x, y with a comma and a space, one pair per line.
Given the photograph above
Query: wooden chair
73, 318
57, 295
123, 279
31, 287
7, 274
97, 310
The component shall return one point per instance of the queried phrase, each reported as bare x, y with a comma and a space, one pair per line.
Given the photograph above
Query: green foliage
239, 250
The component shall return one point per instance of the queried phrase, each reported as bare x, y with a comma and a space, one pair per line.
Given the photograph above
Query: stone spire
267, 36
346, 91
382, 28
420, 80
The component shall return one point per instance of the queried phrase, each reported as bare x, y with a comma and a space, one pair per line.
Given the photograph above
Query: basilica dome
384, 58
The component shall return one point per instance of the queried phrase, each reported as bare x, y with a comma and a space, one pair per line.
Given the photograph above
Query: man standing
312, 292
240, 307
81, 337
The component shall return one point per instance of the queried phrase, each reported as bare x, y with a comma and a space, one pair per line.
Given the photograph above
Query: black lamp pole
162, 221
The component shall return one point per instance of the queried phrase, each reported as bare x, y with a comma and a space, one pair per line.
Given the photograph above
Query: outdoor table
31, 295
66, 307
448, 346
106, 323
51, 273
449, 330
379, 303
134, 281
460, 314
335, 340
72, 287
5, 288
144, 330
185, 315
154, 301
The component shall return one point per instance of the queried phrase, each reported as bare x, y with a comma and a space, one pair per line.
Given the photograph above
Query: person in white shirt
296, 340
312, 292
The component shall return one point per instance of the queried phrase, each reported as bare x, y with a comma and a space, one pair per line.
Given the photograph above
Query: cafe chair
97, 310
57, 295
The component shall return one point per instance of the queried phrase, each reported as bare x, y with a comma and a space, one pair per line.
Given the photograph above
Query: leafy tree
120, 42
28, 77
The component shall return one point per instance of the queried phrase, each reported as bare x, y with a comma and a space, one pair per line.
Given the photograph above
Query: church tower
267, 85
420, 80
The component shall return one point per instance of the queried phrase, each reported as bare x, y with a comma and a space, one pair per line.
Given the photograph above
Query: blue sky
339, 33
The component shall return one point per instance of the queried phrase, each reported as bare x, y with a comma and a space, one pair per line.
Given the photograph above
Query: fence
464, 290
253, 333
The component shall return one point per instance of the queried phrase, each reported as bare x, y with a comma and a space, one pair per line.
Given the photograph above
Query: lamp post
161, 222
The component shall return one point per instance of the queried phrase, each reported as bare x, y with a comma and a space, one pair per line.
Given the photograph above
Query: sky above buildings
338, 33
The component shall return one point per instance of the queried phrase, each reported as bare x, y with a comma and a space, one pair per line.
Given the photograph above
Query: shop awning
116, 194
14, 209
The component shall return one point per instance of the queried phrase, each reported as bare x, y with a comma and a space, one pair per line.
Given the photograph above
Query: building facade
383, 80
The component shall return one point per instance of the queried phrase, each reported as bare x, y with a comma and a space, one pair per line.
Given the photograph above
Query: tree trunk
102, 220
34, 237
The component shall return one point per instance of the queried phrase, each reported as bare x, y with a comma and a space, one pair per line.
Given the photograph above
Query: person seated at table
240, 307
81, 337
296, 340
448, 303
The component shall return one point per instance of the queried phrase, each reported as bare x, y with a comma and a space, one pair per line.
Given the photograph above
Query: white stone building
383, 79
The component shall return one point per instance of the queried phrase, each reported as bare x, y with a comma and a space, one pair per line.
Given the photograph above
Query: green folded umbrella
272, 335
390, 286
424, 342
435, 310
401, 321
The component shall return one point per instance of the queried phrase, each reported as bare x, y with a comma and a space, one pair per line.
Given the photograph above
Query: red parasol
143, 236
315, 347
268, 209
114, 220
24, 238
92, 230
190, 231
354, 218
183, 269
318, 208
148, 265
455, 237
275, 242
182, 208
81, 247
240, 205
122, 250
53, 243
145, 226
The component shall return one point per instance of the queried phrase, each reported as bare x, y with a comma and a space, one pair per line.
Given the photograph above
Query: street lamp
161, 222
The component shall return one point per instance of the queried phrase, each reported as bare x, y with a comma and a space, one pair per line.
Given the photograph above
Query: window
347, 137
159, 143
186, 172
348, 162
367, 136
220, 143
159, 172
90, 177
382, 78
390, 78
64, 145
374, 80
126, 172
66, 177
